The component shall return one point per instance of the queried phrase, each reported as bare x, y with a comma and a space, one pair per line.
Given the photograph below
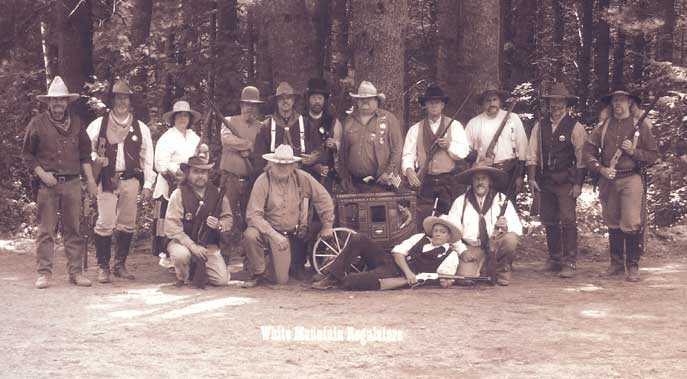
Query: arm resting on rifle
232, 142
459, 147
174, 229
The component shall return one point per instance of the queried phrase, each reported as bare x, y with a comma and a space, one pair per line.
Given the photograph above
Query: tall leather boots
616, 241
569, 260
632, 253
553, 243
123, 245
103, 252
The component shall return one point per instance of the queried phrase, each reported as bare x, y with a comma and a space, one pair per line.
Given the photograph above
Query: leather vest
558, 151
195, 214
428, 261
132, 154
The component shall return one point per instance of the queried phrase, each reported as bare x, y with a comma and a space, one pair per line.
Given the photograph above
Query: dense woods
199, 49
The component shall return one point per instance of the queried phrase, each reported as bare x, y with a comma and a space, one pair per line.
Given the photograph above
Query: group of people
275, 192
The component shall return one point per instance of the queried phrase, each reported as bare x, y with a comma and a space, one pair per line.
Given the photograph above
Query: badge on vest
373, 136
637, 133
561, 138
188, 216
131, 129
134, 138
322, 131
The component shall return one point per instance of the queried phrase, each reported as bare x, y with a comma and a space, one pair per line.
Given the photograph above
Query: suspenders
273, 131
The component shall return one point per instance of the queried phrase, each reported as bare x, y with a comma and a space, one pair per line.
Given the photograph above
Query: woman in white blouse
174, 147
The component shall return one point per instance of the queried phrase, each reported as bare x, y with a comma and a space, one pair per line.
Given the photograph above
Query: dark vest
558, 150
132, 154
195, 215
428, 261
326, 126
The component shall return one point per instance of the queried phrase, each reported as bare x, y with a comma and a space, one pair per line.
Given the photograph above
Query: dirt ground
539, 327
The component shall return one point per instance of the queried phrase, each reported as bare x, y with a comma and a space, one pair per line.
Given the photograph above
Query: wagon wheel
325, 251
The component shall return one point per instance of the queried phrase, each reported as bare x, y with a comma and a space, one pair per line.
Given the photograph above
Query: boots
80, 280
553, 243
569, 237
632, 256
103, 246
123, 245
616, 241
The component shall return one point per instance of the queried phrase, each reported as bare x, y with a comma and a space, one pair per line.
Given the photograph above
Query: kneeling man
427, 252
489, 223
193, 224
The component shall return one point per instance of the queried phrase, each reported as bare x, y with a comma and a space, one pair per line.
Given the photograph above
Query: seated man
430, 252
278, 216
488, 221
191, 211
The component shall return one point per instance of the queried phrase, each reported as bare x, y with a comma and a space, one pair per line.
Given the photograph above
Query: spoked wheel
325, 251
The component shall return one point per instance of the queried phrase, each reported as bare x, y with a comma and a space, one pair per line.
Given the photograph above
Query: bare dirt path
539, 327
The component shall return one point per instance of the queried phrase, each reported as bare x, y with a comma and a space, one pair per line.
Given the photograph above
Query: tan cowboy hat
201, 160
57, 89
492, 90
180, 106
250, 94
498, 176
560, 91
429, 222
283, 154
367, 90
121, 87
284, 89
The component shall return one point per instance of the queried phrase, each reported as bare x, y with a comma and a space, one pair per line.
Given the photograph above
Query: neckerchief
117, 130
63, 125
486, 205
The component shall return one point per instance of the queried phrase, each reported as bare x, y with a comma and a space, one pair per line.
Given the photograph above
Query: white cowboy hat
454, 229
121, 87
250, 94
180, 106
367, 90
283, 154
57, 89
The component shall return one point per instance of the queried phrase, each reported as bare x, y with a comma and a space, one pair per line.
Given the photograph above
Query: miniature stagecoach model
388, 218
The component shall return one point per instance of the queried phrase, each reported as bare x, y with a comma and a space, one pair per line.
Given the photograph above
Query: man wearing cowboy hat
56, 148
326, 126
427, 252
617, 149
286, 126
278, 216
122, 146
489, 223
434, 131
510, 150
372, 144
236, 164
192, 207
555, 168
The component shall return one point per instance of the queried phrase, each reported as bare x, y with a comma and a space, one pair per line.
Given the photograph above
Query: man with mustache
489, 223
621, 187
56, 148
122, 146
556, 170
510, 151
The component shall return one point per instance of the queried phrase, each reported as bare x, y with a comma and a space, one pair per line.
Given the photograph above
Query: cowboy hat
498, 176
121, 87
317, 85
621, 90
284, 89
492, 90
559, 91
250, 94
283, 154
433, 92
200, 161
367, 90
180, 106
57, 89
429, 222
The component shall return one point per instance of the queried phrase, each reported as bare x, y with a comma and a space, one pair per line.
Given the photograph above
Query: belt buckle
61, 179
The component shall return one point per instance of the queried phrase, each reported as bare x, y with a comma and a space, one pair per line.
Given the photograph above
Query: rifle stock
489, 153
231, 128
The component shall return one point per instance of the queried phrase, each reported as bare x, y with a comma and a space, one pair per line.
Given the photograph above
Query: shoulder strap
273, 135
301, 128
604, 128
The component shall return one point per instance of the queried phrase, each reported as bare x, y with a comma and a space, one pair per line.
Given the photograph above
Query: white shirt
172, 149
470, 224
146, 154
448, 266
481, 129
458, 148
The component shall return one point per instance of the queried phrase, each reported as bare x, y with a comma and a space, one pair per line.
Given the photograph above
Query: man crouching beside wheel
278, 216
428, 252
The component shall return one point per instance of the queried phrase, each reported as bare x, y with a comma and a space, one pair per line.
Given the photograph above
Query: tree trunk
639, 49
603, 40
75, 41
47, 53
227, 64
586, 51
558, 33
469, 50
521, 41
618, 58
339, 39
140, 32
664, 45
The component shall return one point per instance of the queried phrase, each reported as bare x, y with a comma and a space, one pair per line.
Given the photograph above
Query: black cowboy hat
433, 92
620, 90
317, 85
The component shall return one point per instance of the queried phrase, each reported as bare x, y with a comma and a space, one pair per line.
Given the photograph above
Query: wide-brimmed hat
317, 85
492, 90
560, 91
433, 92
367, 90
201, 160
180, 106
283, 154
284, 89
250, 94
57, 89
498, 176
621, 90
121, 87
429, 222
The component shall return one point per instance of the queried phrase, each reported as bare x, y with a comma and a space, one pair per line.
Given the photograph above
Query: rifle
536, 195
435, 145
489, 154
198, 269
231, 128
423, 277
645, 182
